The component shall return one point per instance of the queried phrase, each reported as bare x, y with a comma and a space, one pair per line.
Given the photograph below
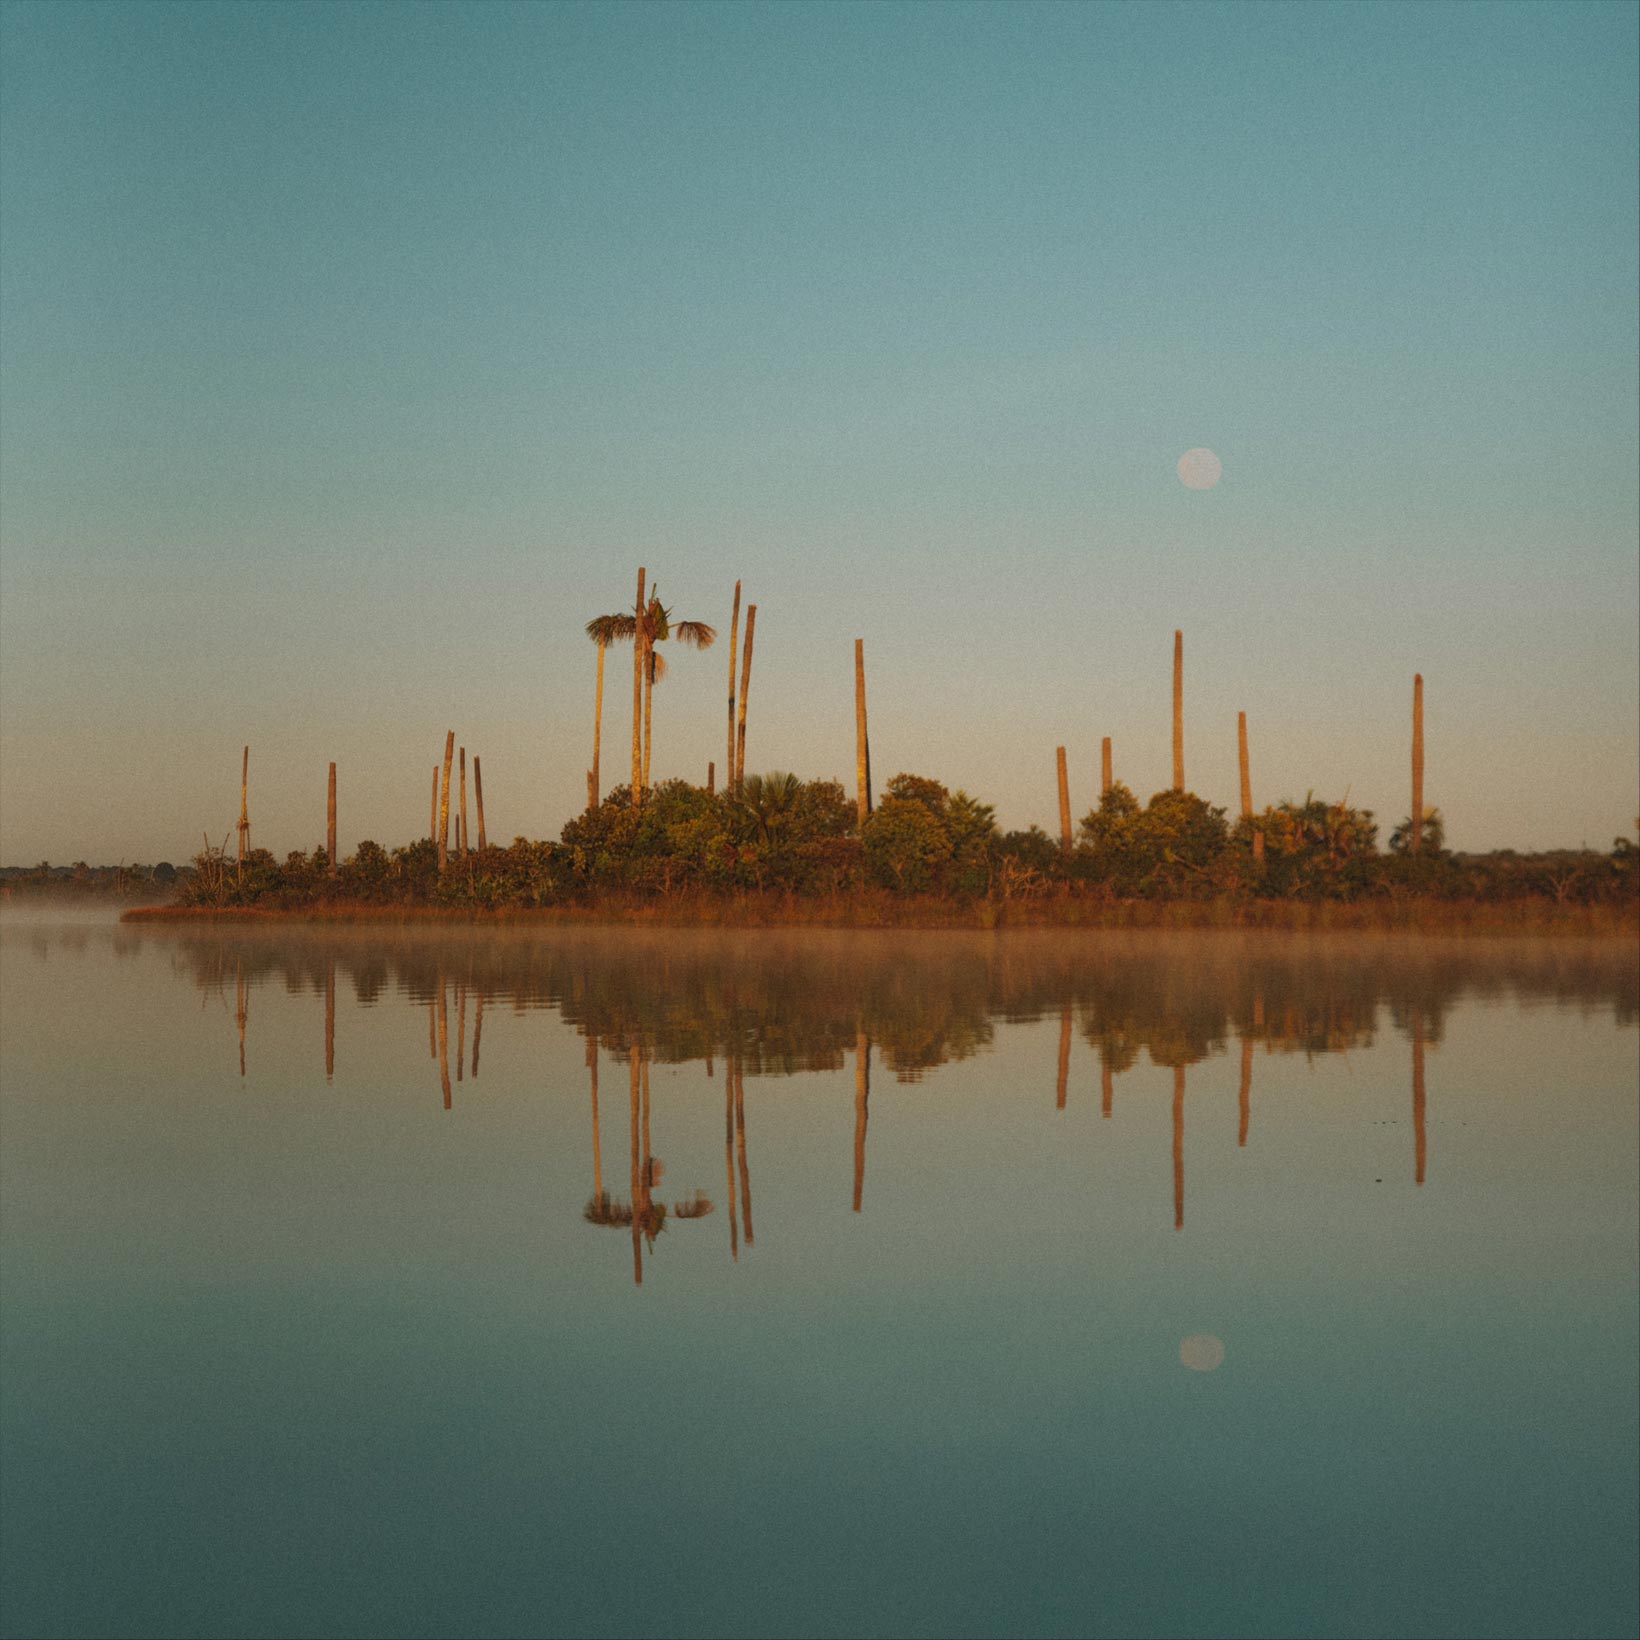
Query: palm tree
602, 629
659, 627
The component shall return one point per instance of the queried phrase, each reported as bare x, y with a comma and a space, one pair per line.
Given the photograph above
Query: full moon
1200, 469
1201, 1352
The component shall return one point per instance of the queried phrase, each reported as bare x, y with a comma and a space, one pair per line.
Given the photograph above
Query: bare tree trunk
443, 1043
734, 635
1416, 842
862, 801
1246, 777
1178, 711
444, 801
330, 822
432, 811
1178, 1147
1104, 766
729, 1148
461, 836
635, 1096
637, 697
244, 810
648, 714
597, 732
478, 1029
740, 734
478, 797
1064, 802
711, 779
862, 1112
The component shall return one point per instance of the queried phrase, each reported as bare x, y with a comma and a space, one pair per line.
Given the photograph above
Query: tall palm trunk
461, 834
1178, 711
330, 823
862, 798
734, 634
478, 798
597, 732
745, 687
637, 696
1417, 840
1246, 777
1104, 766
444, 801
1064, 802
648, 713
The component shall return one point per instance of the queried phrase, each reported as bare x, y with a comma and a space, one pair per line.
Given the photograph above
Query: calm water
658, 1283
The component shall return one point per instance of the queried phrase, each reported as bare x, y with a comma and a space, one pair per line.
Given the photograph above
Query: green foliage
1312, 850
1173, 848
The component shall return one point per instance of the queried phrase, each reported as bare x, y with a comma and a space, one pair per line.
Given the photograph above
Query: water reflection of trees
771, 1005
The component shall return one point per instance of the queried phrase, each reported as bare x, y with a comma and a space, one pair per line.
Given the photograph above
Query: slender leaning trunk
444, 801
734, 636
1064, 802
1178, 711
597, 731
637, 697
461, 835
330, 822
740, 731
1104, 766
1417, 840
478, 797
862, 799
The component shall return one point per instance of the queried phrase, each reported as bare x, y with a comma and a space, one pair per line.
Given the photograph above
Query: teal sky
354, 356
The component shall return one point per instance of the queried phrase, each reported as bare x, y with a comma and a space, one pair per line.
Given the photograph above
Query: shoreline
869, 912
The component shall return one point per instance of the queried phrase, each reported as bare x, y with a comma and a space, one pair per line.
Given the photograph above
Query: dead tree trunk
1064, 802
444, 801
432, 812
734, 635
862, 799
1416, 842
711, 779
637, 695
330, 822
1178, 711
244, 811
594, 774
1246, 778
1104, 766
745, 686
478, 797
461, 834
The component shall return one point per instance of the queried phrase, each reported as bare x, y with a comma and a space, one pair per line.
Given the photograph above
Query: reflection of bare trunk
1417, 840
432, 1030
637, 1183
740, 1116
443, 1043
648, 1154
597, 1162
1178, 711
1246, 1098
862, 1100
729, 1149
478, 1026
1107, 1088
1418, 1150
461, 1028
330, 1020
1064, 801
1104, 766
241, 1012
1178, 1147
1064, 1055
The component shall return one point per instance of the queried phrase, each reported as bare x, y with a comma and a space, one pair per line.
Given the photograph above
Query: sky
353, 357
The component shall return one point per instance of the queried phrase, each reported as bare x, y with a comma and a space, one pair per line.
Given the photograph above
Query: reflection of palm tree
478, 1027
330, 1018
1107, 1090
241, 1011
740, 1146
592, 1071
1245, 1098
729, 1152
443, 1043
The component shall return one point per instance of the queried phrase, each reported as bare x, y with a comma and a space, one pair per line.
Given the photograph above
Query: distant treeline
782, 837
121, 882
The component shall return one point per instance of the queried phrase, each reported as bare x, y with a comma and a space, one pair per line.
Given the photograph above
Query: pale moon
1200, 469
1201, 1352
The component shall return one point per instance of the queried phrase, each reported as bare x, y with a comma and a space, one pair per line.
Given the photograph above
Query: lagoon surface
388, 1282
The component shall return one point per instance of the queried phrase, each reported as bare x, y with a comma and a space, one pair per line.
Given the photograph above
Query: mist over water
567, 1282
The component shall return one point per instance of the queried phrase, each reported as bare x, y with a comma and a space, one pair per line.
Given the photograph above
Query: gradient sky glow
354, 356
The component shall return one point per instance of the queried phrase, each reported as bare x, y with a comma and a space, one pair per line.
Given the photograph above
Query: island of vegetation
781, 849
